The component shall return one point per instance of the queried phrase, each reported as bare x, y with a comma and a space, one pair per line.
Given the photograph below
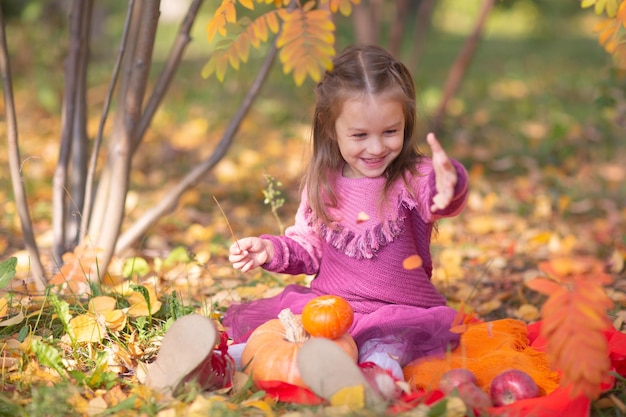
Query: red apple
473, 396
454, 378
512, 385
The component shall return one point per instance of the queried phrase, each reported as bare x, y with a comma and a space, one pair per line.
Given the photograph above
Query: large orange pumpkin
272, 349
327, 316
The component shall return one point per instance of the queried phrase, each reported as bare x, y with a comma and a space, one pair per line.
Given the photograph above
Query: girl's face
370, 134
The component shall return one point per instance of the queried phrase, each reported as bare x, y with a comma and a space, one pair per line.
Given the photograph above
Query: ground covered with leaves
543, 146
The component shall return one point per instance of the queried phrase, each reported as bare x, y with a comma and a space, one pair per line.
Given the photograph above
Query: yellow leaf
455, 407
86, 328
101, 304
261, 405
96, 406
611, 8
489, 306
4, 306
481, 225
258, 31
272, 22
351, 397
412, 262
243, 48
587, 3
115, 320
527, 312
248, 4
141, 309
362, 217
230, 11
233, 59
124, 289
139, 305
221, 66
251, 292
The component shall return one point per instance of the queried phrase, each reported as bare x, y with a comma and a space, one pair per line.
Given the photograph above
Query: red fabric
289, 393
558, 403
617, 351
414, 398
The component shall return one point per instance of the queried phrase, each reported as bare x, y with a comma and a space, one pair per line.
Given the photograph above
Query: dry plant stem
14, 164
294, 332
86, 212
169, 202
232, 233
618, 403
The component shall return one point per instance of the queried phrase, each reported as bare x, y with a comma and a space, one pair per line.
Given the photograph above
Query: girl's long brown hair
358, 70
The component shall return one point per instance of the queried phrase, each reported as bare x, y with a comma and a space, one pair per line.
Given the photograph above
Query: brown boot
188, 353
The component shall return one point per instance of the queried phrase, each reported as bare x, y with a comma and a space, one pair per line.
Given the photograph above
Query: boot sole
327, 369
186, 344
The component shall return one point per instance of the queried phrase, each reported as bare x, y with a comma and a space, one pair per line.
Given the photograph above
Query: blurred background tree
171, 127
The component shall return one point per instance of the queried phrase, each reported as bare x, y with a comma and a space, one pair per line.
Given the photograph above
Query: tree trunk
105, 181
60, 182
171, 65
123, 148
462, 62
91, 172
397, 27
80, 141
366, 17
422, 25
19, 192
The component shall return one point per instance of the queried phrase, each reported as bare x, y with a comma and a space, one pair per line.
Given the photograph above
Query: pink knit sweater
362, 261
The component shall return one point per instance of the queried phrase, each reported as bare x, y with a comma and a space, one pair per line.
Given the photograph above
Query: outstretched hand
250, 252
445, 175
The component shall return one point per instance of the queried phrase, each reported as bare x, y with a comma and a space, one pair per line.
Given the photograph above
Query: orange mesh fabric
487, 349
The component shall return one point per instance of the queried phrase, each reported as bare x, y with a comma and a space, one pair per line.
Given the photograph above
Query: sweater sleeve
299, 250
425, 189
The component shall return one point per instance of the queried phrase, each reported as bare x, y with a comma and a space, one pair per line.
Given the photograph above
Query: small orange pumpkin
327, 316
271, 351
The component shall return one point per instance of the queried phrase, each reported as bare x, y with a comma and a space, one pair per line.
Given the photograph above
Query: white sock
385, 361
236, 351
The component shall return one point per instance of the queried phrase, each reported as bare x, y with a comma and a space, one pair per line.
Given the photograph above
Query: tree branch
422, 24
165, 78
397, 27
459, 67
14, 163
169, 202
98, 218
91, 172
121, 158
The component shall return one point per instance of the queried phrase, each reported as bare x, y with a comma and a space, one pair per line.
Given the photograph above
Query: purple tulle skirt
409, 332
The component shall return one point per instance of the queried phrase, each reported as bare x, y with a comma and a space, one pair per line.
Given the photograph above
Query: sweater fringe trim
367, 244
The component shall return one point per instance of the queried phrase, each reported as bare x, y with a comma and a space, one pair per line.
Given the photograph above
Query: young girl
369, 201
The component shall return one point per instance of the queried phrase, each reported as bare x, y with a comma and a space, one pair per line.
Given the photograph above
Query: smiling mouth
372, 161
